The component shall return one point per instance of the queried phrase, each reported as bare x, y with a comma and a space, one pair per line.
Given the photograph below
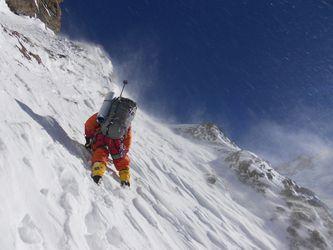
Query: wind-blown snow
314, 172
188, 191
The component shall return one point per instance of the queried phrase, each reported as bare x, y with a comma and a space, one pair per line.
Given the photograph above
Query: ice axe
125, 82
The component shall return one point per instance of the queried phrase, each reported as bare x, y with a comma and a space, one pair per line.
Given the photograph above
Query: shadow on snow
57, 133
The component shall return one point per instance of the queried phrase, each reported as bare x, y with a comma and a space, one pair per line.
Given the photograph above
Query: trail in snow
50, 202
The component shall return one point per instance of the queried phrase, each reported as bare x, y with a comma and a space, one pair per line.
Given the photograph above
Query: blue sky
240, 64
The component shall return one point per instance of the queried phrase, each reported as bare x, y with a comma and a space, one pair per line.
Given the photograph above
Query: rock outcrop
48, 11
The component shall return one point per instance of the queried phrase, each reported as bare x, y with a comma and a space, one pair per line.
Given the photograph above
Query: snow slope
192, 188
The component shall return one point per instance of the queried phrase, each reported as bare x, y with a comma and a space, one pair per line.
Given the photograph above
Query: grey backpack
121, 114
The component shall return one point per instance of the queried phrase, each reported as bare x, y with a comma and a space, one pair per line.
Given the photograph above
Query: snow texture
193, 189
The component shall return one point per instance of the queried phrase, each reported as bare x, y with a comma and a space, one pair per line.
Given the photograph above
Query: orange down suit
102, 146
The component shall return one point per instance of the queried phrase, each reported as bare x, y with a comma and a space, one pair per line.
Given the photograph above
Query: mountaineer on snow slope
109, 132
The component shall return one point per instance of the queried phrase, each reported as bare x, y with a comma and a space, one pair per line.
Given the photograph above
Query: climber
109, 132
101, 146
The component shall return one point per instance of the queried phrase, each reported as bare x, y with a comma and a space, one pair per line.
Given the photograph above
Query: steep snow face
185, 194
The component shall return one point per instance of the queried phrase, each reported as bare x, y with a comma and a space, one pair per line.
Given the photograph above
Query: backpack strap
98, 131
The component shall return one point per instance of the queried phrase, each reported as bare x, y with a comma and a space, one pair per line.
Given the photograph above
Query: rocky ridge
48, 11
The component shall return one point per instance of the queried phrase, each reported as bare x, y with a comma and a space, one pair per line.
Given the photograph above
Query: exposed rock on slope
303, 208
48, 11
307, 219
208, 132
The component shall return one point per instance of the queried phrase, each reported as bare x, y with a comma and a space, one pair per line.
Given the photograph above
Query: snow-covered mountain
192, 188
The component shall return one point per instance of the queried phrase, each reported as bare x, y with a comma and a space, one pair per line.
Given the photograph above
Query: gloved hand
88, 143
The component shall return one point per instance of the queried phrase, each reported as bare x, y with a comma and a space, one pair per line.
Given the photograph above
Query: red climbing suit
103, 146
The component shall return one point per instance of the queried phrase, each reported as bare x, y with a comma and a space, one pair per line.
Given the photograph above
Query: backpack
120, 116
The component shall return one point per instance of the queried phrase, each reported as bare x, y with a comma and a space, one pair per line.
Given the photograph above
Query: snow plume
279, 143
136, 58
301, 154
139, 65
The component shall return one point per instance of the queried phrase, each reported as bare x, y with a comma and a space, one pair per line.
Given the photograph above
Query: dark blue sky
236, 63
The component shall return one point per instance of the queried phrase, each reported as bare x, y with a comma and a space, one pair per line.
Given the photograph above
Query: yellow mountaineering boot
97, 171
124, 176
